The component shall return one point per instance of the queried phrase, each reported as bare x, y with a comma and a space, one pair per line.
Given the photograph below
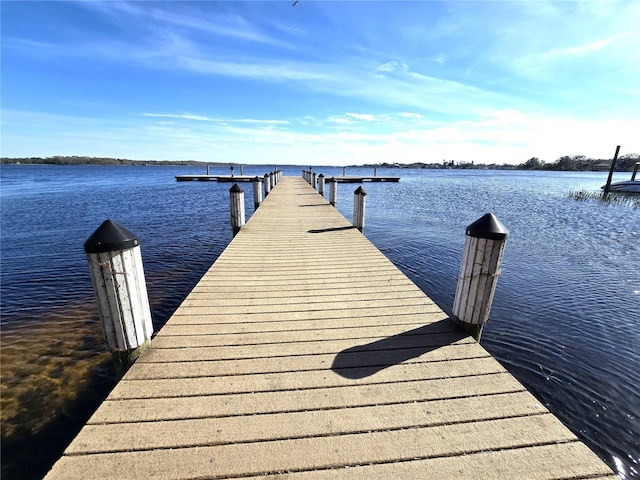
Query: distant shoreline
567, 163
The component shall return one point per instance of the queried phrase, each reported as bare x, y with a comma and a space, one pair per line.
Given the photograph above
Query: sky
320, 82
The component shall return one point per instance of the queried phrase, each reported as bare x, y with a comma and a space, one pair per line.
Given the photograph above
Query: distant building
600, 167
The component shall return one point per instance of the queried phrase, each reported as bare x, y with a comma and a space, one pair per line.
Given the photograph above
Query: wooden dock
304, 353
361, 179
215, 178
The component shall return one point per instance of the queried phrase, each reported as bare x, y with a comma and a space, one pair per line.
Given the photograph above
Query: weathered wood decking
304, 353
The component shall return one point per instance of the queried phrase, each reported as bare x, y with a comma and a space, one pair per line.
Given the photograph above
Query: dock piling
611, 170
483, 251
359, 208
257, 192
118, 279
321, 184
236, 202
267, 185
333, 191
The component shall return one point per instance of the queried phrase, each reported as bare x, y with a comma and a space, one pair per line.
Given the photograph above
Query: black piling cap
333, 179
360, 191
110, 237
321, 175
489, 227
236, 189
257, 179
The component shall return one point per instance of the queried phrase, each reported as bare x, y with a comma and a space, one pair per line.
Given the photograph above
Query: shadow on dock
365, 360
334, 229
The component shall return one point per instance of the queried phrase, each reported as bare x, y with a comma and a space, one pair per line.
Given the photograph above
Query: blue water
565, 317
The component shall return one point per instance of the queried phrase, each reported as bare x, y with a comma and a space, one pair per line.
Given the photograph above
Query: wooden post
241, 169
344, 171
358, 208
314, 180
231, 168
375, 171
236, 204
321, 184
272, 183
333, 191
118, 279
613, 167
483, 250
267, 185
257, 192
207, 169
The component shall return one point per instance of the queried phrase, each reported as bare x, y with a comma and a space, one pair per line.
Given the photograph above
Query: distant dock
215, 178
249, 178
304, 353
361, 179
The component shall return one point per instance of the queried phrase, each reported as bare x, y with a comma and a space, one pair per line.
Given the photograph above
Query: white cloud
393, 66
362, 116
184, 116
496, 136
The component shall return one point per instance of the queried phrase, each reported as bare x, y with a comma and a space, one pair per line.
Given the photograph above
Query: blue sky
321, 83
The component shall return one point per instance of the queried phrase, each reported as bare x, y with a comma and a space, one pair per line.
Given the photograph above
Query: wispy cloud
183, 116
497, 136
230, 25
202, 118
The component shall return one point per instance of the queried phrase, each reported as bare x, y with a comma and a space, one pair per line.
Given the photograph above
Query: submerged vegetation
611, 198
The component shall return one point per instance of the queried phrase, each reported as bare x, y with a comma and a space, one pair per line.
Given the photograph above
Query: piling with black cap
267, 185
257, 192
314, 180
483, 250
236, 208
359, 197
118, 279
321, 184
333, 191
272, 182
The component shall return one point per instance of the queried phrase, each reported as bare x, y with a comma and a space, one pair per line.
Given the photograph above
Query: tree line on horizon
565, 163
574, 163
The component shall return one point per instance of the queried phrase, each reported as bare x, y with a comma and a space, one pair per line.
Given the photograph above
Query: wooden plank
175, 387
145, 410
97, 438
300, 454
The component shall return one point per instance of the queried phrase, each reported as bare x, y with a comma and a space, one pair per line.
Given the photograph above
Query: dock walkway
304, 353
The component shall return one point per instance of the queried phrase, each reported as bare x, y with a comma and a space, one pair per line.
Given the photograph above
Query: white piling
321, 184
267, 185
236, 208
483, 251
314, 180
118, 279
359, 208
257, 192
333, 191
272, 183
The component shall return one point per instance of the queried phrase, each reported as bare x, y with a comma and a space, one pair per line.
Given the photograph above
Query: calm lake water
565, 318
